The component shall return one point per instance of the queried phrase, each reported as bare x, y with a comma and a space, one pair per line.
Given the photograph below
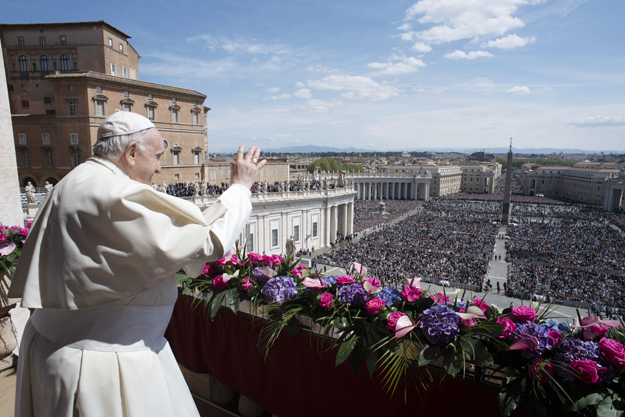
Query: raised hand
245, 170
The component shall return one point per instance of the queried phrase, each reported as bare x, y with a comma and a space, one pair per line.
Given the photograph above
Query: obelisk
505, 215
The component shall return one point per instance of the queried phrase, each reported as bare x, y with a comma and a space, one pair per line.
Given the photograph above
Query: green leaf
217, 299
346, 349
482, 356
232, 299
607, 409
468, 345
356, 357
430, 353
453, 360
371, 360
509, 396
616, 333
587, 400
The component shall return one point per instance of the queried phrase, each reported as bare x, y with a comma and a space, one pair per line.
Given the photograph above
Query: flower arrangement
547, 363
11, 243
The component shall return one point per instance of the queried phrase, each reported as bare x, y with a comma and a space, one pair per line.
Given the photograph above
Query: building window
71, 107
76, 157
127, 107
121, 48
42, 41
24, 157
63, 41
284, 171
126, 93
23, 63
75, 66
34, 67
47, 100
174, 115
274, 238
99, 108
73, 138
296, 233
45, 138
150, 113
176, 158
275, 172
213, 175
113, 68
227, 174
64, 62
110, 42
196, 118
150, 96
314, 229
25, 104
47, 157
264, 172
173, 100
249, 243
54, 65
10, 87
20, 41
44, 63
196, 158
22, 138
197, 176
176, 176
70, 88
125, 72
98, 89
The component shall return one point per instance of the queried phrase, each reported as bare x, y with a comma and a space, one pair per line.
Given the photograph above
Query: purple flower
279, 289
390, 295
572, 350
353, 294
263, 273
541, 334
439, 324
330, 280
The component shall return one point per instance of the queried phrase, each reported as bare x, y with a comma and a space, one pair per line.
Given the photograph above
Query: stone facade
275, 170
56, 113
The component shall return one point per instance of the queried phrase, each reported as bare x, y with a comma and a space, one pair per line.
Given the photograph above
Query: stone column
334, 222
350, 218
328, 236
375, 190
345, 220
10, 203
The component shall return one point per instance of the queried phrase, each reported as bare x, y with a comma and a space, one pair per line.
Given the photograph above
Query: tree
331, 164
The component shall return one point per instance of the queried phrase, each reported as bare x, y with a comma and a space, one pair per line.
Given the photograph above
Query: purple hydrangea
279, 289
331, 280
260, 276
439, 324
553, 324
353, 294
390, 295
541, 333
570, 350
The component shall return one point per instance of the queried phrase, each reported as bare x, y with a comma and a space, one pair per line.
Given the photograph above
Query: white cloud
303, 93
356, 87
595, 121
280, 97
421, 47
300, 84
272, 90
321, 68
320, 106
518, 91
240, 44
462, 19
406, 65
458, 54
509, 42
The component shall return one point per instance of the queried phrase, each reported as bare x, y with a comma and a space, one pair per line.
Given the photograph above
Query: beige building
478, 179
583, 183
275, 170
65, 78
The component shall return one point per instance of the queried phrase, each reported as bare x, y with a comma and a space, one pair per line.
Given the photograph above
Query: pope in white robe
99, 269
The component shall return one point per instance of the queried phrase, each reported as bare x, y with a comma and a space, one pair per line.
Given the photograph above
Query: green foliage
518, 162
331, 164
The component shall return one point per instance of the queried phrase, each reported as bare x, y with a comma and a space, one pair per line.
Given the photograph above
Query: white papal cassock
99, 267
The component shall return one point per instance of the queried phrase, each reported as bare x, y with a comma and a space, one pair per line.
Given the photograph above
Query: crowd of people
183, 189
367, 213
453, 245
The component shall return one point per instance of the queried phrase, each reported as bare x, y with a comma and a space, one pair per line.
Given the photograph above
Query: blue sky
381, 75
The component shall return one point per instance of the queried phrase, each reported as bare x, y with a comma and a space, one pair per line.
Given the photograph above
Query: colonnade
392, 189
339, 220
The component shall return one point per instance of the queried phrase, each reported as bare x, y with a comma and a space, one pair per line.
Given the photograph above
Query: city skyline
403, 75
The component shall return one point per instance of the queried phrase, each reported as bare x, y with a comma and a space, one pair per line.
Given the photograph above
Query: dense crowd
586, 243
183, 189
453, 245
567, 284
367, 214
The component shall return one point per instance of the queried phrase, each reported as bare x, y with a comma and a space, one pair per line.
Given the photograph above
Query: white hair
114, 146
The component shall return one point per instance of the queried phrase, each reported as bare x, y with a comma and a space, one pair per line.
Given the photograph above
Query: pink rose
468, 322
253, 258
391, 322
541, 370
208, 270
3, 237
220, 283
277, 259
346, 279
555, 337
374, 305
3, 227
587, 371
221, 262
246, 284
24, 231
268, 260
613, 351
524, 313
234, 260
296, 273
326, 300
438, 297
478, 302
302, 267
29, 224
373, 281
411, 294
508, 327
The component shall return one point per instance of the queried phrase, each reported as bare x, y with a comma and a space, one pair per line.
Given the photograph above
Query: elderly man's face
147, 160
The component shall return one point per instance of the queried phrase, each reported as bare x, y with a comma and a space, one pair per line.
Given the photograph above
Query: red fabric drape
296, 381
